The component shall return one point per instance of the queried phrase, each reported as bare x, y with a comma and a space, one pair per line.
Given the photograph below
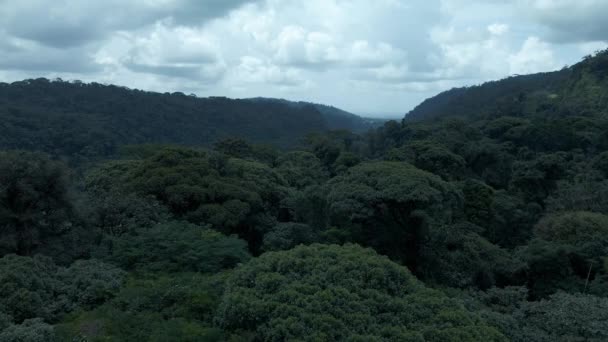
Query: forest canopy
481, 216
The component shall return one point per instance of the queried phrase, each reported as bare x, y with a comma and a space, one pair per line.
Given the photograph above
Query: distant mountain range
79, 119
335, 118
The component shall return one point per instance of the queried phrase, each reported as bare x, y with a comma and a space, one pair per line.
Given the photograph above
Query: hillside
580, 90
89, 120
335, 118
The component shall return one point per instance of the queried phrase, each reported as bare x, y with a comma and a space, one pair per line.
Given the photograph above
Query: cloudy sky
372, 57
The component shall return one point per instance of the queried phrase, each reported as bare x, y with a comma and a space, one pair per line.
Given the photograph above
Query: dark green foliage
512, 220
564, 317
34, 201
536, 179
573, 228
391, 206
89, 283
334, 117
430, 156
570, 252
28, 287
341, 293
178, 307
583, 195
478, 200
491, 161
457, 256
288, 235
31, 330
87, 121
235, 196
301, 169
36, 287
178, 247
116, 213
601, 163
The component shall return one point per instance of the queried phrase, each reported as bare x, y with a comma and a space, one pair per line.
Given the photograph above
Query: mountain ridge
569, 91
91, 119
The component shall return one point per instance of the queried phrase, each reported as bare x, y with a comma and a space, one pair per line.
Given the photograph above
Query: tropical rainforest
135, 216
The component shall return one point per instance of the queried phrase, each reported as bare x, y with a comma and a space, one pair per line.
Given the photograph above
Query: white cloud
498, 29
171, 51
256, 71
534, 56
296, 46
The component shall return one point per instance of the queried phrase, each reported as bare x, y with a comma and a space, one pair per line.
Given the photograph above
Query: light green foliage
323, 292
178, 247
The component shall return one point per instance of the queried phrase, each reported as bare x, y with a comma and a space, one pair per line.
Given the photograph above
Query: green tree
34, 201
301, 169
432, 157
156, 307
564, 317
31, 330
178, 247
37, 288
235, 196
391, 206
328, 292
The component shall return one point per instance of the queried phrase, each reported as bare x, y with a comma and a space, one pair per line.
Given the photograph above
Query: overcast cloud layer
369, 57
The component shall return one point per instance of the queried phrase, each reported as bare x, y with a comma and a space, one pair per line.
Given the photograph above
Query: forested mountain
579, 90
92, 120
481, 217
335, 118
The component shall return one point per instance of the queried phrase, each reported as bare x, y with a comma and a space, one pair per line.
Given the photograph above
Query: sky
371, 57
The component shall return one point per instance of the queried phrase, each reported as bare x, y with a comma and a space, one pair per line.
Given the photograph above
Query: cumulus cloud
65, 23
296, 46
172, 51
570, 21
256, 71
534, 56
